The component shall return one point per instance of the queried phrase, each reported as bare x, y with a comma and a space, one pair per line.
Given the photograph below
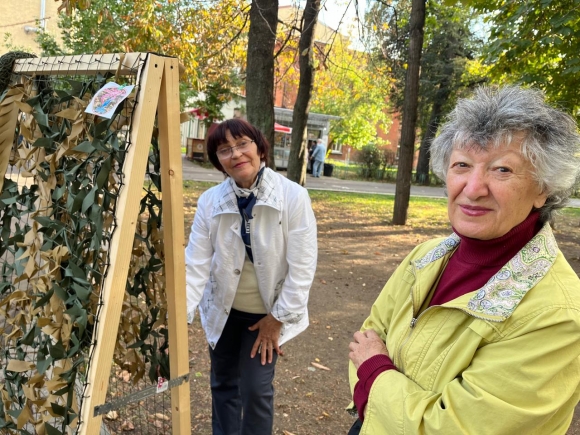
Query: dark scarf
246, 201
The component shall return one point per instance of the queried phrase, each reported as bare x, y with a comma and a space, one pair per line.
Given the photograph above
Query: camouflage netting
61, 172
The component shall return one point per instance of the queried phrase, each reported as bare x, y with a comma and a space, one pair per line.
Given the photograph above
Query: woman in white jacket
250, 263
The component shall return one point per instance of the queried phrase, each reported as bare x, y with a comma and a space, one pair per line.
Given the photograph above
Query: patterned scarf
246, 201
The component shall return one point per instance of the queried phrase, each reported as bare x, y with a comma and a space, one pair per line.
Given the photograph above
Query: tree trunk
297, 160
260, 69
441, 97
422, 175
405, 168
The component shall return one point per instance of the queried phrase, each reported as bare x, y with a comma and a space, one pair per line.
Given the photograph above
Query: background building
23, 19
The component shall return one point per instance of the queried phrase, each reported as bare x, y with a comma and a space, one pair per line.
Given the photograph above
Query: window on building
336, 147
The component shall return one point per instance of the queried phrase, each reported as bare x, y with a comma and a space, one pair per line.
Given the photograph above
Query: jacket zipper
414, 321
411, 326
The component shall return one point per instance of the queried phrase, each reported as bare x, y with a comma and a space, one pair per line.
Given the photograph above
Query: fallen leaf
320, 366
323, 281
127, 426
112, 415
160, 416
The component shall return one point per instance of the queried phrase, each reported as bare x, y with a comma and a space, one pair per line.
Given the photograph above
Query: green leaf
73, 270
76, 343
57, 351
43, 142
98, 144
83, 293
84, 147
51, 430
89, 200
77, 87
78, 200
28, 339
49, 223
58, 409
43, 363
102, 127
40, 117
103, 176
60, 292
44, 299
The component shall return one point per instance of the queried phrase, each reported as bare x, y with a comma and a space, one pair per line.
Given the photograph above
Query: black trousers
241, 387
356, 427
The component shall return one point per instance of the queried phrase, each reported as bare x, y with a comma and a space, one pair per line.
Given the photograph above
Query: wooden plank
123, 63
174, 239
121, 245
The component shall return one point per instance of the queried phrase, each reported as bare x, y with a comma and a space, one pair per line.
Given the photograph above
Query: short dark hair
237, 128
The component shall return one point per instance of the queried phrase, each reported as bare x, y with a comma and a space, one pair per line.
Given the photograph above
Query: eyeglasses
225, 153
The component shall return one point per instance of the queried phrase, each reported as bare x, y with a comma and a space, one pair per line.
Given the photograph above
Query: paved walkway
192, 171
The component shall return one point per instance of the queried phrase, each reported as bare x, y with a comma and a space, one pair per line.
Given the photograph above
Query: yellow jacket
500, 360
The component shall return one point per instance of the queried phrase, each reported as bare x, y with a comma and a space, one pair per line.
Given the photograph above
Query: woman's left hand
267, 342
366, 345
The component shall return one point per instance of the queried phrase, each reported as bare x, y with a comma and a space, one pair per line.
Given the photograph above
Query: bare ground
355, 260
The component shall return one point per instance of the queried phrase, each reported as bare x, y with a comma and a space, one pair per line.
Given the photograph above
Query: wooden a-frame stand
158, 93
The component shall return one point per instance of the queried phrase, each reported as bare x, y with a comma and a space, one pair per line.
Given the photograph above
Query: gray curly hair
494, 115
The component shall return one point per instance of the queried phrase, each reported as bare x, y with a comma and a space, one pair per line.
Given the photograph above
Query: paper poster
107, 99
162, 384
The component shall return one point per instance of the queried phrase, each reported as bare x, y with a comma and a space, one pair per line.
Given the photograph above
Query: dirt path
355, 261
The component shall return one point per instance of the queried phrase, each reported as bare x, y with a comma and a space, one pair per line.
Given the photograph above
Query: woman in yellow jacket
479, 333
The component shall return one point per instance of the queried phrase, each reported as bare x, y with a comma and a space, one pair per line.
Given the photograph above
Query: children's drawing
107, 99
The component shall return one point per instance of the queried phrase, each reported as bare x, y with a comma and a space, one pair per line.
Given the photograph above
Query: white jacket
284, 247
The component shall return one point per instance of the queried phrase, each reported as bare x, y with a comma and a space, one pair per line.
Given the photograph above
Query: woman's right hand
366, 345
267, 342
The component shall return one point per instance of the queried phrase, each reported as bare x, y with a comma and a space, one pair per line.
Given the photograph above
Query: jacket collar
267, 195
500, 296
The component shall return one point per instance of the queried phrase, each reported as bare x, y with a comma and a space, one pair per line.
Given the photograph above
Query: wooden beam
174, 240
120, 63
121, 245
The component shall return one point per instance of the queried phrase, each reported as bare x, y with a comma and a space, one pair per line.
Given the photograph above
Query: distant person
479, 332
317, 158
250, 262
311, 145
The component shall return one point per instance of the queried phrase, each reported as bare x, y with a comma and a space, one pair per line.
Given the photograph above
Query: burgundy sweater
469, 268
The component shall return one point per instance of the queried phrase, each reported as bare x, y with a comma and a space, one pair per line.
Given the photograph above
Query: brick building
286, 90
